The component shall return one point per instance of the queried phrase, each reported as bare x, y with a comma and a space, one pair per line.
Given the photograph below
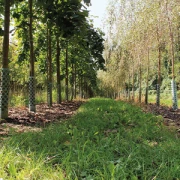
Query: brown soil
21, 120
171, 117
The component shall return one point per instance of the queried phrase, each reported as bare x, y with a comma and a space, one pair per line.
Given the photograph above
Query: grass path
105, 140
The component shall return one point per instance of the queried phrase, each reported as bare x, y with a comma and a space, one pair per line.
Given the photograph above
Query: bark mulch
171, 117
21, 120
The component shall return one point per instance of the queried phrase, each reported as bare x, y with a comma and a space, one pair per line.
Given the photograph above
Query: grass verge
106, 139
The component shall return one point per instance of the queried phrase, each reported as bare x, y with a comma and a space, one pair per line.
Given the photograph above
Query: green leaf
12, 169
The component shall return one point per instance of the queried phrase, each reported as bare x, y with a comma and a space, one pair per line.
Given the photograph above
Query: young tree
32, 106
171, 37
4, 88
58, 72
49, 73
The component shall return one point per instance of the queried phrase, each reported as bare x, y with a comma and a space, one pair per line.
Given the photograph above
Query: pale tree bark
140, 81
171, 35
4, 88
133, 92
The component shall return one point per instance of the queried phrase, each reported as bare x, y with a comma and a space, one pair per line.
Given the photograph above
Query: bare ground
21, 120
171, 117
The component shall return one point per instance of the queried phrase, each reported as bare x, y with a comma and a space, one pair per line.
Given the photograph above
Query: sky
98, 8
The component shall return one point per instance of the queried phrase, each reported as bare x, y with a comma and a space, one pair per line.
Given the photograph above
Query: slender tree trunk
4, 88
84, 89
159, 77
32, 106
173, 82
129, 93
87, 95
140, 82
49, 88
67, 74
82, 93
72, 85
79, 81
59, 99
75, 74
133, 95
147, 80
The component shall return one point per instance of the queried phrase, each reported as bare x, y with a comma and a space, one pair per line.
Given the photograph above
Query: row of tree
49, 38
142, 49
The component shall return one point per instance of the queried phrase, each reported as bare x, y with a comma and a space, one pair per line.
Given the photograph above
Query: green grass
19, 99
105, 140
165, 99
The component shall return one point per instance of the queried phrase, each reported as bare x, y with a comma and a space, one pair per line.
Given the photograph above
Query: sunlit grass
106, 139
165, 99
19, 99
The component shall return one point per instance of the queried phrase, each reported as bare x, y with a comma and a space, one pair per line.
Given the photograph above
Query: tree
32, 106
58, 74
147, 30
5, 69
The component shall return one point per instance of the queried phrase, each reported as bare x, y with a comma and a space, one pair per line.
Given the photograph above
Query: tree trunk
32, 106
82, 94
173, 83
147, 80
133, 92
75, 74
159, 77
129, 92
140, 82
49, 88
67, 74
59, 99
4, 89
79, 82
72, 85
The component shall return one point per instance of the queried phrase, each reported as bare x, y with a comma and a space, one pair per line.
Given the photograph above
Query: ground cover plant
106, 139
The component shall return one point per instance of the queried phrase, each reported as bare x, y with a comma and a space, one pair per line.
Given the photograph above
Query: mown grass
106, 139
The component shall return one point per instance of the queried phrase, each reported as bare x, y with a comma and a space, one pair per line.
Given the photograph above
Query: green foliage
18, 101
138, 49
67, 21
106, 139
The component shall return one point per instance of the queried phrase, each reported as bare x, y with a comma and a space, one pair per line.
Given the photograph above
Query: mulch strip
171, 117
21, 120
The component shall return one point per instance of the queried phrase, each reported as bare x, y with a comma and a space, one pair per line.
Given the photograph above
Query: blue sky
98, 8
